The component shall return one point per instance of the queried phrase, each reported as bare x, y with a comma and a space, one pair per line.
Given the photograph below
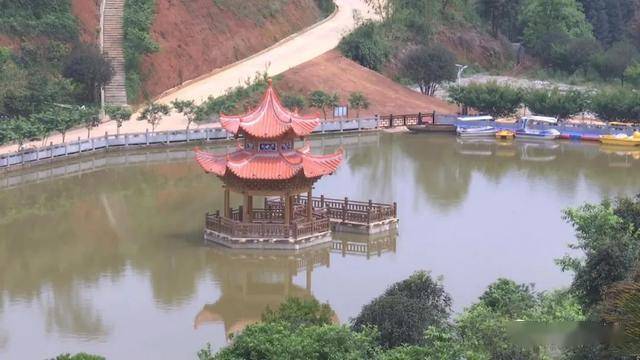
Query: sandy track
282, 56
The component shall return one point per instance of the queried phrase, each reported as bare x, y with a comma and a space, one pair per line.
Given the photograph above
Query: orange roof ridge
270, 119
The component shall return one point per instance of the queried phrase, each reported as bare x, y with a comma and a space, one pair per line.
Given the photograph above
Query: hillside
333, 72
198, 36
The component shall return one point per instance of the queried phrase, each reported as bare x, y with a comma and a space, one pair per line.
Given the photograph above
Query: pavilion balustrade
361, 212
299, 228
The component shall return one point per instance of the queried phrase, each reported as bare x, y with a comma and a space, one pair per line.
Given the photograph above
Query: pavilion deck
267, 225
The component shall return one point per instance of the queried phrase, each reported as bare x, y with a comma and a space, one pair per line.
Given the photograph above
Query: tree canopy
429, 67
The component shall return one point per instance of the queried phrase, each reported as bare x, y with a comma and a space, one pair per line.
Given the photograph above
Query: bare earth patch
332, 72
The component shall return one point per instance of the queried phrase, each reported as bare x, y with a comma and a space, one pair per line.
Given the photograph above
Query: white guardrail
81, 146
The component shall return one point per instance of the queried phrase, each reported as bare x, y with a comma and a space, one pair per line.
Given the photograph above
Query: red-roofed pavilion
267, 164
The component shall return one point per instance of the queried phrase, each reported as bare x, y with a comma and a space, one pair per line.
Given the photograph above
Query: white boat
546, 134
476, 131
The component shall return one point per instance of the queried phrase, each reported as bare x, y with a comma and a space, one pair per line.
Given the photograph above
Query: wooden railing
239, 229
344, 210
406, 119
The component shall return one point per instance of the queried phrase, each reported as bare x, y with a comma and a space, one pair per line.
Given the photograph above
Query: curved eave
274, 166
270, 120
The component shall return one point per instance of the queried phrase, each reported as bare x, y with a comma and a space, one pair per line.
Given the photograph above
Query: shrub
293, 101
406, 310
366, 45
555, 102
327, 7
49, 18
490, 98
299, 313
137, 21
88, 66
616, 105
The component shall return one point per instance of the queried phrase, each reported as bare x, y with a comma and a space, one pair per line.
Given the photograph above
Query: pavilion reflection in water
252, 280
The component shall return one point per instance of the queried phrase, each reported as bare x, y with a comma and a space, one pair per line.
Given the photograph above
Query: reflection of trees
69, 313
376, 166
444, 165
251, 281
439, 172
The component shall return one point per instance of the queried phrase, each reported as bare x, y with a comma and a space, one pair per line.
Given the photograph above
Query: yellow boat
505, 135
621, 139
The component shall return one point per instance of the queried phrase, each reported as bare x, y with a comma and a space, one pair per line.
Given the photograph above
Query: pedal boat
621, 139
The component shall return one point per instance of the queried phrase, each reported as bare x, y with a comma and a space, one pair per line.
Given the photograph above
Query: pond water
110, 259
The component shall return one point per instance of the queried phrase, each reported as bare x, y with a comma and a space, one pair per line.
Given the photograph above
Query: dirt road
293, 51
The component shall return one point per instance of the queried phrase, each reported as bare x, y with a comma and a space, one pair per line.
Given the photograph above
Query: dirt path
282, 56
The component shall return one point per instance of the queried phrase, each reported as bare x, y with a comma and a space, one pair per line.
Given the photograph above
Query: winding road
288, 53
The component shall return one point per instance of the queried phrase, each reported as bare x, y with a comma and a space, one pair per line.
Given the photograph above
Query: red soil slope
199, 36
88, 14
332, 72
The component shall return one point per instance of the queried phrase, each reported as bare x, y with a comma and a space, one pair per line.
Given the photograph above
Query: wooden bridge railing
406, 119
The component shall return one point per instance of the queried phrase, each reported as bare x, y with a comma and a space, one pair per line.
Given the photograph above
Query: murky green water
110, 261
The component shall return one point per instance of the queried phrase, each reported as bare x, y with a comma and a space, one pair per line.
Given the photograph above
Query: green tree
632, 73
278, 340
293, 102
187, 108
90, 117
617, 104
358, 101
321, 100
429, 67
541, 17
80, 356
87, 65
555, 103
609, 244
20, 130
367, 46
119, 114
405, 310
489, 98
153, 114
570, 54
502, 16
613, 63
509, 299
299, 313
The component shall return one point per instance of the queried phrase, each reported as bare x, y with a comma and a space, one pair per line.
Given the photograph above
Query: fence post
395, 209
341, 125
390, 120
79, 145
433, 118
359, 124
369, 211
146, 136
187, 132
344, 209
322, 201
106, 140
93, 145
126, 139
419, 118
240, 213
50, 151
167, 136
66, 149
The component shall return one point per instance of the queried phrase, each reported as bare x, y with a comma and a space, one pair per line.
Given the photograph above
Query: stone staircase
115, 92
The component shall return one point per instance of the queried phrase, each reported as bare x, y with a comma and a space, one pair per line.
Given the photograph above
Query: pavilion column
287, 208
250, 207
309, 204
245, 208
227, 196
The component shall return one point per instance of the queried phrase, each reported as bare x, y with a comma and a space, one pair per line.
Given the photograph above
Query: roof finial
270, 81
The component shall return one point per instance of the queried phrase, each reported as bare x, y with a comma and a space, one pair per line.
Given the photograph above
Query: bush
327, 7
271, 341
366, 45
489, 98
406, 310
137, 21
555, 103
48, 18
299, 313
616, 105
80, 356
293, 101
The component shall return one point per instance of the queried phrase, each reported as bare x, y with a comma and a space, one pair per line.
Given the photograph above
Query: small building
267, 164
